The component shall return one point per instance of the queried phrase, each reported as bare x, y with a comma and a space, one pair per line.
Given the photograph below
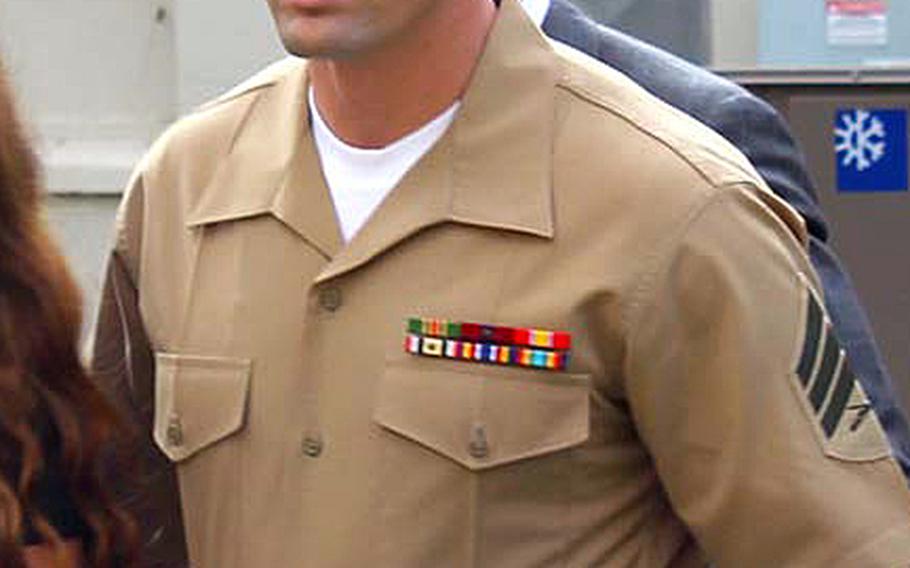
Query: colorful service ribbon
524, 347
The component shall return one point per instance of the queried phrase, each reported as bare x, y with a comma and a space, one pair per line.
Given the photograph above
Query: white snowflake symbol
861, 139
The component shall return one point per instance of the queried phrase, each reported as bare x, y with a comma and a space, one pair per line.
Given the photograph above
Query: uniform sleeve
764, 441
759, 132
123, 363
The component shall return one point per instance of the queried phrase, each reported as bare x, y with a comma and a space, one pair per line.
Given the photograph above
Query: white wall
98, 80
95, 78
219, 43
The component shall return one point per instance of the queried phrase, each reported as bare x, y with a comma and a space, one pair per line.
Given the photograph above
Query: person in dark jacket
759, 132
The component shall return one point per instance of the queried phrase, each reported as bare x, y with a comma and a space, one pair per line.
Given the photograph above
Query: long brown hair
43, 383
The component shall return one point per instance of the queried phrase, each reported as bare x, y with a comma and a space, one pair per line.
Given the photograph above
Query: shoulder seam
577, 88
585, 95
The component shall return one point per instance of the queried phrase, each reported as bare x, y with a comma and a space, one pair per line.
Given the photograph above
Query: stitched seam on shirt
583, 94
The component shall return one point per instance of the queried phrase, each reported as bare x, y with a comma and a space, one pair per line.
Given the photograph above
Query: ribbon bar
502, 345
481, 333
486, 352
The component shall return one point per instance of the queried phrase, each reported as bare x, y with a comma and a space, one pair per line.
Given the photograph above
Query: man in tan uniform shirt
705, 411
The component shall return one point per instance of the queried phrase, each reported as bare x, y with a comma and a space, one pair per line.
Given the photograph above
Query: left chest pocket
483, 416
198, 401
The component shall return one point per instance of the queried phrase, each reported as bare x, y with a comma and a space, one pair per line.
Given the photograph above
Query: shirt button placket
328, 299
174, 432
312, 446
479, 447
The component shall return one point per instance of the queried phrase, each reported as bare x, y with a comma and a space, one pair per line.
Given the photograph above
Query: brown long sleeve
123, 363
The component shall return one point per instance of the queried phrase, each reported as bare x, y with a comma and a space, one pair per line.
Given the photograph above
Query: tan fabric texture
563, 197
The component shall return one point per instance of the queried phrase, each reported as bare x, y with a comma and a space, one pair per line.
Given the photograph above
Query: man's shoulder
618, 97
668, 161
209, 129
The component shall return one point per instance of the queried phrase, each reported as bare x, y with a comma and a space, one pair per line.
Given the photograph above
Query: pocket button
479, 448
312, 446
330, 299
174, 431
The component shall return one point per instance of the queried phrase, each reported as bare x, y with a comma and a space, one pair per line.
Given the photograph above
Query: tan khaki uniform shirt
701, 412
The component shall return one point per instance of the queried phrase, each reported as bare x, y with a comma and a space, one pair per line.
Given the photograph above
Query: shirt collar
492, 169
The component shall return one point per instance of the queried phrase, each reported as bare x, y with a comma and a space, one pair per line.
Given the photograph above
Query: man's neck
372, 99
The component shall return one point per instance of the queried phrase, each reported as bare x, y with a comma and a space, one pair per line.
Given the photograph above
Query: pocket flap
483, 417
198, 401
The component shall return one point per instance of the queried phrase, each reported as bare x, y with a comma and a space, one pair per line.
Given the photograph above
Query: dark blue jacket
759, 133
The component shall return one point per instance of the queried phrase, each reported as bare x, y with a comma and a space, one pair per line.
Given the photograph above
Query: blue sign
871, 150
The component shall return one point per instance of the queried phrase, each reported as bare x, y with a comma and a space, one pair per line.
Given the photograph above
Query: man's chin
319, 50
310, 46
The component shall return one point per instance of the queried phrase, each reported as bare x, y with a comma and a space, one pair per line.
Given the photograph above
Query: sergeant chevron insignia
843, 418
483, 343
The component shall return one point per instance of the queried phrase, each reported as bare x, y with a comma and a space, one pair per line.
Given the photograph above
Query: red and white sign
857, 22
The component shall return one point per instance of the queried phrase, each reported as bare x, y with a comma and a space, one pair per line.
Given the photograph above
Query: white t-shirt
360, 179
537, 9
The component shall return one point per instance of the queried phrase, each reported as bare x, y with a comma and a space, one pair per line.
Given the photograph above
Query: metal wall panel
795, 33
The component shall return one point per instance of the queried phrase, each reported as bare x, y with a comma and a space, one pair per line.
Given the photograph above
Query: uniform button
312, 446
174, 433
479, 448
330, 299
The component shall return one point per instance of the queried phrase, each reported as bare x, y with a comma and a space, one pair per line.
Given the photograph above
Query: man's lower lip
310, 5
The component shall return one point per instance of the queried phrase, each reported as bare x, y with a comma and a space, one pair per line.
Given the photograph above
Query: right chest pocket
481, 416
199, 401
